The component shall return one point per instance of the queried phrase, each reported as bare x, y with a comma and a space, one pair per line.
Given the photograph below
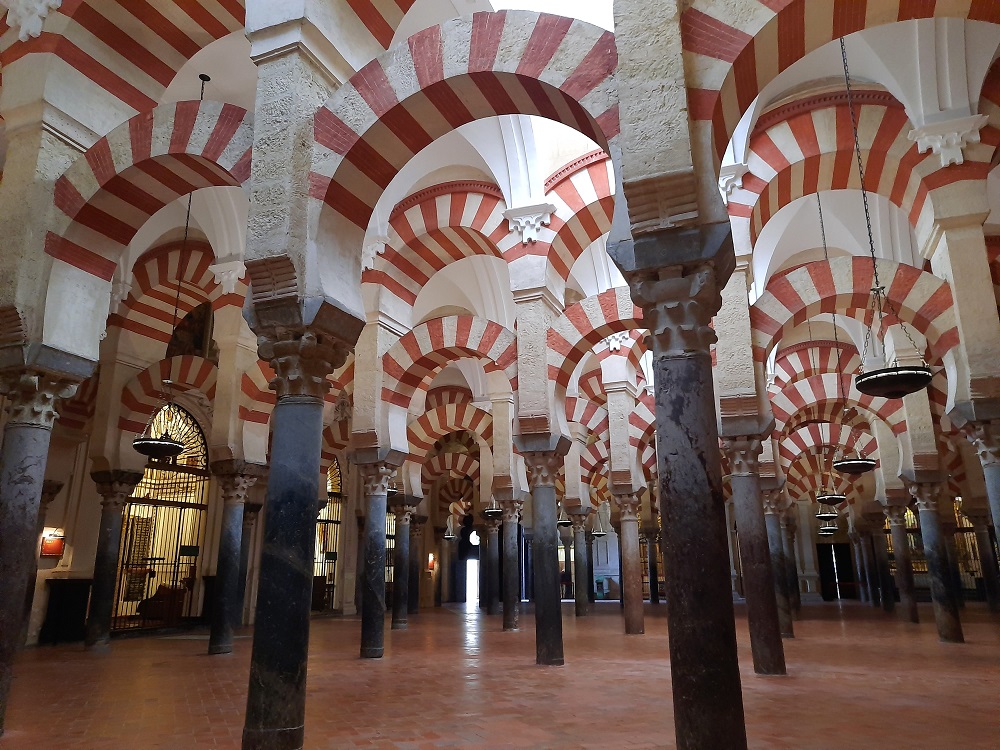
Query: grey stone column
773, 510
251, 512
114, 487
949, 626
871, 571
591, 590
376, 478
652, 534
904, 562
628, 540
888, 595
401, 565
542, 468
416, 562
985, 438
788, 526
492, 564
676, 277
948, 528
511, 564
235, 479
529, 567
859, 566
33, 397
987, 558
50, 488
759, 574
581, 562
301, 359
359, 572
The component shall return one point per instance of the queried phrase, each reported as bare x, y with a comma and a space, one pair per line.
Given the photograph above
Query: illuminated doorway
328, 542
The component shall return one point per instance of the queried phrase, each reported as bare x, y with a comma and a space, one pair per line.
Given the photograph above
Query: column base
372, 652
98, 647
274, 739
220, 649
554, 662
399, 626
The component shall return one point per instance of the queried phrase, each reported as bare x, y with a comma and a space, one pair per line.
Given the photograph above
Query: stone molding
927, 494
730, 178
678, 306
376, 477
33, 396
404, 514
235, 479
986, 440
529, 220
512, 510
228, 274
772, 501
579, 520
493, 525
628, 506
896, 515
542, 467
301, 359
947, 139
116, 486
28, 16
743, 452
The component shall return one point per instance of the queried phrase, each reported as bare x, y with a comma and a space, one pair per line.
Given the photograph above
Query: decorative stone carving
743, 452
985, 438
664, 200
228, 274
512, 510
33, 397
579, 520
773, 502
678, 308
730, 178
617, 340
493, 525
28, 15
948, 138
376, 477
235, 479
374, 248
542, 468
926, 494
342, 410
896, 515
116, 486
529, 220
301, 361
628, 506
404, 514
119, 292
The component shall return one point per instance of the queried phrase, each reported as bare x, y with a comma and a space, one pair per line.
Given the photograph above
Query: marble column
235, 479
773, 510
759, 572
888, 596
652, 544
251, 511
401, 565
591, 589
871, 572
376, 478
949, 626
492, 564
628, 541
987, 558
114, 487
581, 562
678, 302
948, 528
788, 526
985, 438
904, 562
511, 564
859, 566
32, 401
359, 572
50, 488
301, 359
529, 566
542, 468
416, 562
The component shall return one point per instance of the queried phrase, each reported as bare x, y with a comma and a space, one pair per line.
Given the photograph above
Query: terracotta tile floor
858, 679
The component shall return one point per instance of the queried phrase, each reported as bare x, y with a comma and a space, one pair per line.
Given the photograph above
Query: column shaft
591, 589
250, 514
376, 477
859, 566
904, 564
991, 472
949, 626
791, 564
654, 567
493, 568
581, 565
416, 564
628, 539
401, 571
545, 557
226, 591
779, 567
871, 573
988, 561
511, 567
888, 597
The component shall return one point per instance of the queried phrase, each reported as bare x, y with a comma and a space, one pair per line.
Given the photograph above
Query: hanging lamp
449, 529
895, 380
826, 511
828, 528
493, 510
599, 529
563, 519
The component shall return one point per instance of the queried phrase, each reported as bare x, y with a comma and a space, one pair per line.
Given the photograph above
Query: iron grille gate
325, 564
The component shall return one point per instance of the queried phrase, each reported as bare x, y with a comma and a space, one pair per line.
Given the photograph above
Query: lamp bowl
894, 382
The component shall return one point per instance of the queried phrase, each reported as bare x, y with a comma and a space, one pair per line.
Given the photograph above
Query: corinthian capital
33, 397
579, 520
773, 502
926, 494
542, 467
511, 510
985, 438
678, 305
628, 506
301, 359
115, 486
376, 477
743, 452
896, 515
235, 479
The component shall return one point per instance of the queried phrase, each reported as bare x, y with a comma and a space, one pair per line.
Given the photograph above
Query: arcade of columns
698, 402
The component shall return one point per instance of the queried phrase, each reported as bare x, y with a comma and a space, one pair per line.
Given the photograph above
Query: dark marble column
871, 571
251, 511
949, 626
359, 571
675, 277
759, 574
542, 467
652, 544
581, 562
401, 565
628, 540
114, 487
416, 562
948, 527
492, 564
774, 508
32, 400
235, 480
511, 564
591, 590
987, 558
50, 488
376, 478
529, 566
985, 438
276, 697
789, 524
904, 562
859, 566
484, 580
885, 583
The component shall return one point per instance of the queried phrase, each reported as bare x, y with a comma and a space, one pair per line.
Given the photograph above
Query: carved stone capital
493, 525
301, 360
896, 515
236, 478
404, 514
28, 16
628, 506
250, 513
511, 510
730, 178
927, 494
947, 139
529, 220
228, 274
542, 467
116, 486
985, 438
50, 488
417, 524
376, 477
579, 520
743, 452
773, 502
33, 397
678, 306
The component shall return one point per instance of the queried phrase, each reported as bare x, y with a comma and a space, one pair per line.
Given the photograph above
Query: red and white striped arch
814, 358
812, 151
381, 17
142, 395
592, 416
591, 384
410, 363
336, 439
256, 398
107, 194
447, 394
457, 465
734, 49
824, 391
132, 50
583, 325
510, 62
423, 432
810, 473
814, 434
455, 497
843, 285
